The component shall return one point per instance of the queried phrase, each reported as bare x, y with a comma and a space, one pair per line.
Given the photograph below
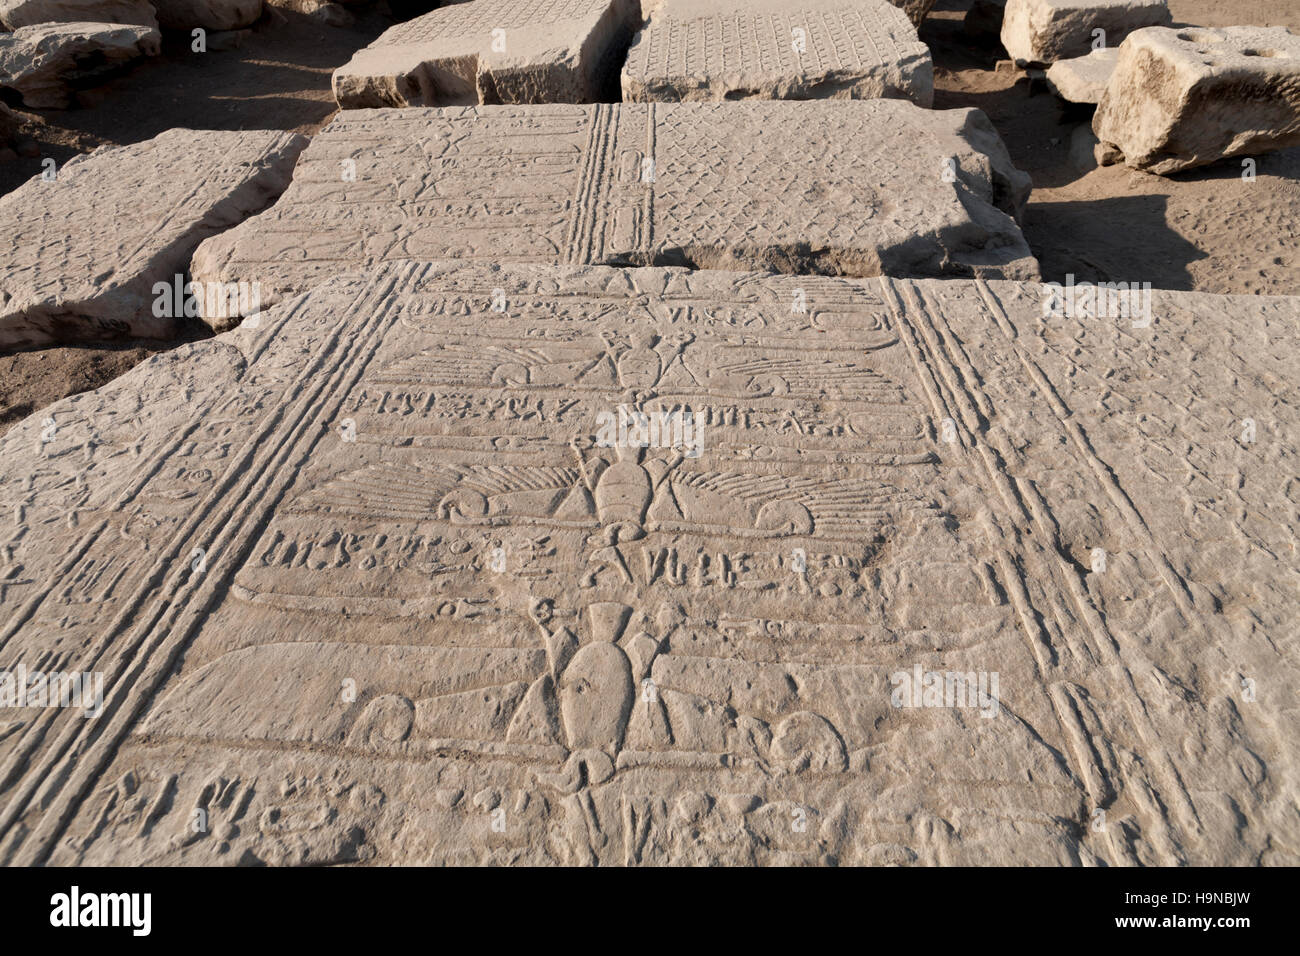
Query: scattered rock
742, 49
208, 14
25, 13
42, 61
1044, 31
1083, 148
1083, 79
859, 187
1185, 97
88, 247
494, 51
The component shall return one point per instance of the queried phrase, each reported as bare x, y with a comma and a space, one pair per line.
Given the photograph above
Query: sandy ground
1206, 230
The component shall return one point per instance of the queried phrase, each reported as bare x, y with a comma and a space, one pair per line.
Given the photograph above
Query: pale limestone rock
87, 248
494, 51
41, 61
1082, 79
1044, 31
362, 575
855, 187
208, 14
1183, 98
23, 13
741, 49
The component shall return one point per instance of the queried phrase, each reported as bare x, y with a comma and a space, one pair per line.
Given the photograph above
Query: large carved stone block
734, 49
494, 51
88, 247
42, 61
462, 562
859, 188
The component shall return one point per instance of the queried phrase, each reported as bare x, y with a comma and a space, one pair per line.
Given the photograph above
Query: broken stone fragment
856, 187
42, 61
494, 51
741, 49
1044, 31
1186, 97
23, 13
1082, 79
89, 245
208, 14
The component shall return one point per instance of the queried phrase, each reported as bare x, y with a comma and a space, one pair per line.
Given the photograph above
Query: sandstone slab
87, 249
41, 61
208, 14
371, 578
1044, 31
731, 49
24, 13
854, 187
1082, 79
494, 51
1183, 98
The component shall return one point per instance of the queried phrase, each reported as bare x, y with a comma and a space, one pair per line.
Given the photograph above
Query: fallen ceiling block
1184, 98
137, 212
687, 547
41, 62
857, 187
739, 49
494, 51
1044, 31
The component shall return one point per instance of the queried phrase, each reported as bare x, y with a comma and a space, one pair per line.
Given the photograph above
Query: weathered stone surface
41, 61
853, 187
1044, 31
362, 576
916, 10
209, 14
24, 13
1183, 98
87, 248
494, 51
1082, 79
740, 49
